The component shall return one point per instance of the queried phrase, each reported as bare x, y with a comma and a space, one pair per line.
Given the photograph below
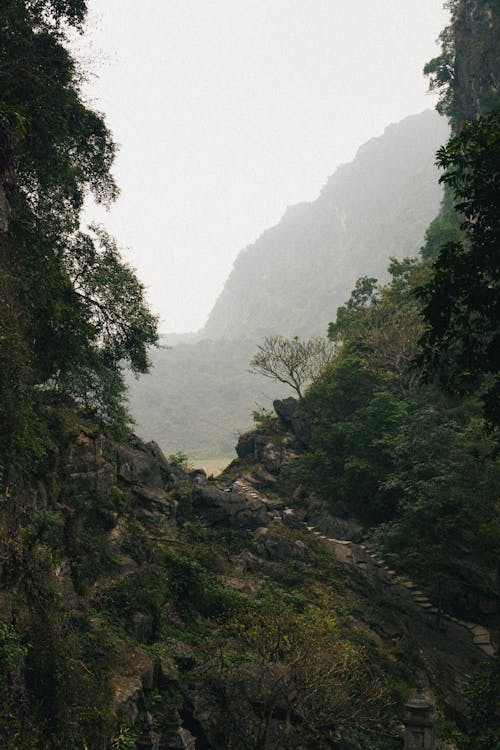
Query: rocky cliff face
477, 59
141, 588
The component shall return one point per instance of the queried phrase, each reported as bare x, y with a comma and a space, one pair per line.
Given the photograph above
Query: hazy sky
227, 111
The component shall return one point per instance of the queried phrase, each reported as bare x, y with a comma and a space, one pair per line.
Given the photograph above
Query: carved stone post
420, 724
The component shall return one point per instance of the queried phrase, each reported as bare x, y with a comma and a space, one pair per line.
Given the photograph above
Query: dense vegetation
73, 314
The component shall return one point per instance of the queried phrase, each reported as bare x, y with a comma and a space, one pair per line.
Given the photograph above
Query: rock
197, 474
183, 654
246, 562
271, 457
158, 455
263, 479
279, 548
301, 428
139, 466
229, 508
140, 626
168, 672
155, 498
285, 409
246, 444
85, 470
128, 691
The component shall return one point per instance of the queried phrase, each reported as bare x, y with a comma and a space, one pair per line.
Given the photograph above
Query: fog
228, 111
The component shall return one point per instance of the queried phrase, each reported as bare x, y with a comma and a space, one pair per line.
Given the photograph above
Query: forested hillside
198, 397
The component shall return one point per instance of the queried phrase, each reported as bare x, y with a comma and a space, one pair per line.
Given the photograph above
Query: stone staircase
362, 556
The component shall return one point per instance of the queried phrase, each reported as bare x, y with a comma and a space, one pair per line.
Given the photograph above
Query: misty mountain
291, 281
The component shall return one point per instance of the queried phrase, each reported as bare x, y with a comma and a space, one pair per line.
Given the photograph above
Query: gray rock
128, 692
229, 508
183, 654
279, 548
168, 671
246, 562
138, 466
246, 445
285, 409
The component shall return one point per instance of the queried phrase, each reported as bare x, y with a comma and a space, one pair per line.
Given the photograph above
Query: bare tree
391, 340
292, 361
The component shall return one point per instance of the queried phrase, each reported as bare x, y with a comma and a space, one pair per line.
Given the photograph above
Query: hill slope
291, 281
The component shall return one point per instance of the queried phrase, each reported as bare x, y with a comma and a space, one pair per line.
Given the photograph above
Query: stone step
479, 631
482, 640
488, 649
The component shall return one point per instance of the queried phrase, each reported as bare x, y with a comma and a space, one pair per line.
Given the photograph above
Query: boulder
154, 449
229, 508
128, 692
139, 466
279, 548
285, 409
246, 445
168, 672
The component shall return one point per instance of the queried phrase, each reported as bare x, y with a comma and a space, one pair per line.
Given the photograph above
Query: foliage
349, 452
305, 680
398, 453
482, 716
181, 460
73, 313
461, 302
445, 471
292, 361
466, 72
364, 294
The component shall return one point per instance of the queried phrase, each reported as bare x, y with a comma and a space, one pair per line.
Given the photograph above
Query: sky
228, 111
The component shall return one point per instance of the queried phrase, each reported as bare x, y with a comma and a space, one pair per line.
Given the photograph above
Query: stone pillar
420, 724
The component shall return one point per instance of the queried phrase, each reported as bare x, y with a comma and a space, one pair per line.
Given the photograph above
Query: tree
79, 314
292, 682
364, 295
461, 302
292, 361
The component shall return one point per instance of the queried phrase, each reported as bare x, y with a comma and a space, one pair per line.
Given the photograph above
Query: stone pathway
360, 554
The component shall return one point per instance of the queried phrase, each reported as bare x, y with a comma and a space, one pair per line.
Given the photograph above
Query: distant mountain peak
296, 274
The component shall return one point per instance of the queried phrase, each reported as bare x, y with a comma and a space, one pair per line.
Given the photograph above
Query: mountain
291, 281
